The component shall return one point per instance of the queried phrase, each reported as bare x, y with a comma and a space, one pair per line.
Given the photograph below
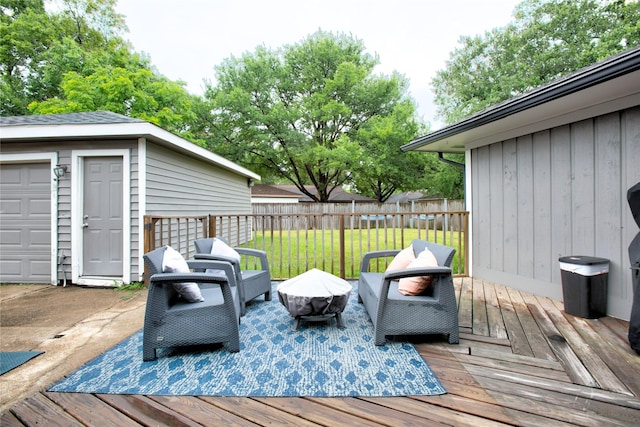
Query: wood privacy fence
434, 205
333, 242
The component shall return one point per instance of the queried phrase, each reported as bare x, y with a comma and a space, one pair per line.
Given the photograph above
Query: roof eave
609, 69
119, 130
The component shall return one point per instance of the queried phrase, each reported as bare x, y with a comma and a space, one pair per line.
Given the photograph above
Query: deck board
202, 412
521, 361
89, 410
497, 327
518, 340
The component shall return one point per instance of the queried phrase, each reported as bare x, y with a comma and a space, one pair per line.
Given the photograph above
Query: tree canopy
75, 60
547, 39
311, 113
314, 113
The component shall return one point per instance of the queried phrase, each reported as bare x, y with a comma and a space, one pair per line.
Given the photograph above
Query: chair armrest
418, 271
364, 267
257, 253
188, 277
408, 272
200, 266
213, 257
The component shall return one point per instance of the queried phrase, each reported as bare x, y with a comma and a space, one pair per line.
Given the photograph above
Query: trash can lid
583, 260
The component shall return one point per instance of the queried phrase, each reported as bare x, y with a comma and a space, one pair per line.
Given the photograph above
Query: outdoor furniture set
201, 301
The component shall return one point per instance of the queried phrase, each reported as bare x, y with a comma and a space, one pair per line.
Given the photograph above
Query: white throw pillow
174, 262
219, 247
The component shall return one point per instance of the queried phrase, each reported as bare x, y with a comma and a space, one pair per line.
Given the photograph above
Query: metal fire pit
315, 295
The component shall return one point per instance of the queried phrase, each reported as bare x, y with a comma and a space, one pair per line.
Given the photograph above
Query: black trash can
585, 281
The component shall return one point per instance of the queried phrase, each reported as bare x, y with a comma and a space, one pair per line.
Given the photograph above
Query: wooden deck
521, 361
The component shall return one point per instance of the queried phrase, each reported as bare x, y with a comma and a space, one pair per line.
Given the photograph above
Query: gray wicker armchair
393, 313
252, 283
171, 322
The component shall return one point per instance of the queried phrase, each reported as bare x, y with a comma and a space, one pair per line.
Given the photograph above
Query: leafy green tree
548, 39
446, 180
135, 93
296, 112
74, 60
37, 47
385, 170
26, 34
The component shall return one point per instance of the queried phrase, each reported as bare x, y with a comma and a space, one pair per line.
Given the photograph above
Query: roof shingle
87, 118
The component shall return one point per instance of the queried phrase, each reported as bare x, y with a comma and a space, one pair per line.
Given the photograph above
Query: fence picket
333, 242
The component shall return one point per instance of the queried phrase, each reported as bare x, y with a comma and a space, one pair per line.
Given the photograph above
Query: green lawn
291, 252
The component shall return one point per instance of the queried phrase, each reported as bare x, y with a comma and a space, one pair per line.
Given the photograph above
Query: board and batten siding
555, 193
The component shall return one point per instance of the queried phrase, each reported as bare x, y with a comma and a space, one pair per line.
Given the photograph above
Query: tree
548, 39
135, 93
38, 47
299, 113
26, 34
385, 170
74, 60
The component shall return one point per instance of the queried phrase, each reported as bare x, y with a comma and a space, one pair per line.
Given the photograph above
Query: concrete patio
71, 325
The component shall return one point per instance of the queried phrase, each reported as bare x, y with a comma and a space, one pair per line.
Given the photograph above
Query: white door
102, 217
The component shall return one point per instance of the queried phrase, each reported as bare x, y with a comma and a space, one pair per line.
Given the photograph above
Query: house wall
177, 184
195, 187
555, 193
64, 151
168, 183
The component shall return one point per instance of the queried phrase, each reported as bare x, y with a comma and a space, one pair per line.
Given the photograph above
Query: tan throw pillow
402, 259
418, 284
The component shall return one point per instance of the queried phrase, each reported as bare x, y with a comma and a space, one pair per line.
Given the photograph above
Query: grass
130, 290
291, 252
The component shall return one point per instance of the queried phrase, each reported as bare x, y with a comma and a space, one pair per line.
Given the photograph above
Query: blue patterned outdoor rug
317, 360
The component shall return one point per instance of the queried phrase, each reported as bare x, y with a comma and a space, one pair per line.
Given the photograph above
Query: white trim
142, 201
281, 200
77, 203
52, 158
468, 197
134, 130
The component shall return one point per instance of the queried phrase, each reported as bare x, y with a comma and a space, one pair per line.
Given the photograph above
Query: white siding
181, 185
64, 150
177, 184
554, 193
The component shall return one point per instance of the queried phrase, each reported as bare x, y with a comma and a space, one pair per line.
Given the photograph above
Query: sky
186, 39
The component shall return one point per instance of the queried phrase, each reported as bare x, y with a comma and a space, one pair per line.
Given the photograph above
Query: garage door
25, 223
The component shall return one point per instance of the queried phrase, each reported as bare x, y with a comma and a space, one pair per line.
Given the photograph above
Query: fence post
149, 233
342, 255
446, 217
212, 226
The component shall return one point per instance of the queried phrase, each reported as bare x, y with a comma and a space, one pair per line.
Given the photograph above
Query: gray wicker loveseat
393, 313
